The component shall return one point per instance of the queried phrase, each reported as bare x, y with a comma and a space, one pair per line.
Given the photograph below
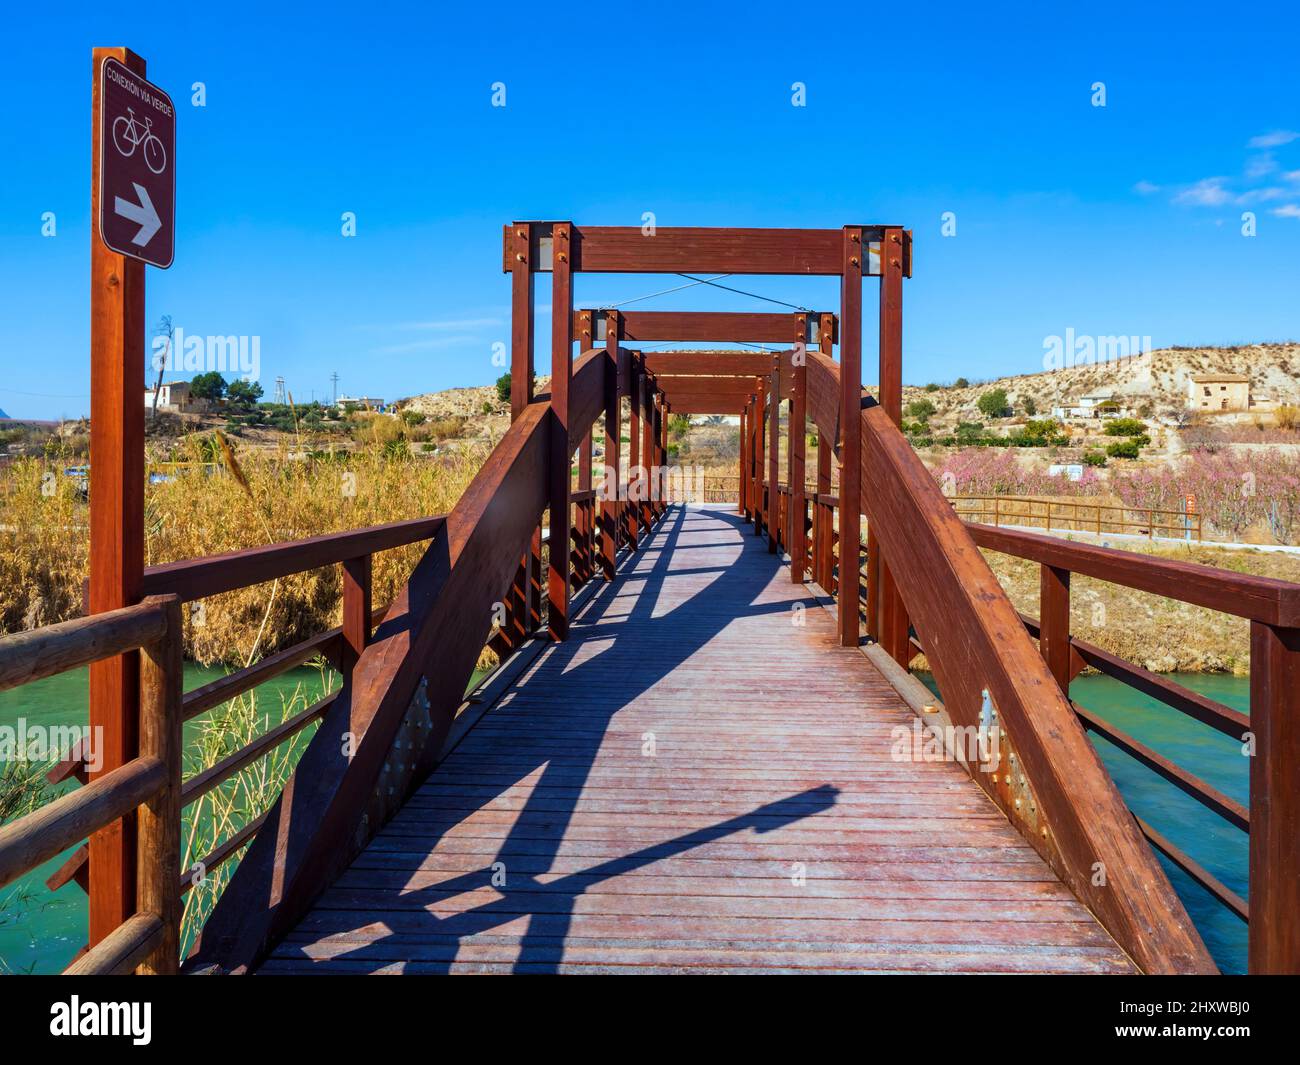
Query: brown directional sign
137, 166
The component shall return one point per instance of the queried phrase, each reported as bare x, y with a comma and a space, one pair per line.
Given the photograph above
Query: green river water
41, 930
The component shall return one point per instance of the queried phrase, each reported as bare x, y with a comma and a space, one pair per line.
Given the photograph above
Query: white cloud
1289, 210
1263, 195
431, 344
1273, 140
1257, 166
1208, 192
1146, 188
1291, 175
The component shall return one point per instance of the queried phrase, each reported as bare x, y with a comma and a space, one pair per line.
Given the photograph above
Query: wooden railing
1270, 735
147, 785
1078, 515
1051, 783
434, 633
196, 579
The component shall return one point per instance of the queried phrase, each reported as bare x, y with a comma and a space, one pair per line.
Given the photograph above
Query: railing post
635, 387
742, 501
1054, 623
1274, 935
563, 250
798, 432
159, 819
853, 266
357, 609
521, 611
647, 450
773, 461
585, 562
609, 502
760, 452
894, 244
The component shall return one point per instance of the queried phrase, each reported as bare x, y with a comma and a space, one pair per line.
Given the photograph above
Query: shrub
994, 403
1094, 458
1123, 449
413, 417
920, 409
1125, 427
961, 382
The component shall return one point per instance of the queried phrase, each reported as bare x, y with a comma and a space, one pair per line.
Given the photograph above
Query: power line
742, 292
694, 281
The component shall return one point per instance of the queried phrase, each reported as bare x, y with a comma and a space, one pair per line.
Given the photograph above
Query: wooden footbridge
703, 750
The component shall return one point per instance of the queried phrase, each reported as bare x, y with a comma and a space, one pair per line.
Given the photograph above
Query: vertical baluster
1274, 935
1054, 623
158, 860
356, 611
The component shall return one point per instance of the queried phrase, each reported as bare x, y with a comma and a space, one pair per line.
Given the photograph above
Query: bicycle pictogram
128, 134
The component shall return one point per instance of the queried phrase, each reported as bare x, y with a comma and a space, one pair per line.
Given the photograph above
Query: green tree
1030, 407
1124, 449
210, 385
1094, 458
993, 404
961, 382
503, 387
242, 395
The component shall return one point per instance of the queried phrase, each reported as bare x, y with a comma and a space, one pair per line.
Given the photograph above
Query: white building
173, 397
1101, 404
362, 402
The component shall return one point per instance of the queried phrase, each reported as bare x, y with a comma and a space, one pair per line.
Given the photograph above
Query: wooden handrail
41, 653
147, 785
201, 577
203, 782
56, 826
1209, 797
223, 689
1264, 599
128, 946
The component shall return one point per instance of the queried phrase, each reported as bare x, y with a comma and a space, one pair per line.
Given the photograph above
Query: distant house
361, 402
1218, 392
173, 397
1101, 404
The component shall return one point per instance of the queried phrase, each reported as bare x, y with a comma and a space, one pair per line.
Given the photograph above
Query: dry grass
222, 812
44, 548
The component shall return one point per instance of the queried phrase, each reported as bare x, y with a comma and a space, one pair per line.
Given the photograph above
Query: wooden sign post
133, 210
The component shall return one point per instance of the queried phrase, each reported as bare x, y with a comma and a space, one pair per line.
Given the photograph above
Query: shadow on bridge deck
700, 779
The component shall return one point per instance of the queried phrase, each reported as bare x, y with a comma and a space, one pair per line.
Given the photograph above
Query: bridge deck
694, 782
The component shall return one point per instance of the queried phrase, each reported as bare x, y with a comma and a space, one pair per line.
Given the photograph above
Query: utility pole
334, 378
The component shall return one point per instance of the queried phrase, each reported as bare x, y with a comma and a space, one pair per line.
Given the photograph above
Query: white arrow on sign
143, 213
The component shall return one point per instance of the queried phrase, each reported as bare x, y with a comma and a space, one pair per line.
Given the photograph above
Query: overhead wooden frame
564, 249
689, 249
735, 327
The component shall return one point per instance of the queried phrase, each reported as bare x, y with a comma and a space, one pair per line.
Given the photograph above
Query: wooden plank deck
699, 780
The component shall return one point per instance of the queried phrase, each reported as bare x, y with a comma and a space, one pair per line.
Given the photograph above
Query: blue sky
1117, 220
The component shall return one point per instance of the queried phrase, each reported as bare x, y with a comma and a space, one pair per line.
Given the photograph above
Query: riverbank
1159, 634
